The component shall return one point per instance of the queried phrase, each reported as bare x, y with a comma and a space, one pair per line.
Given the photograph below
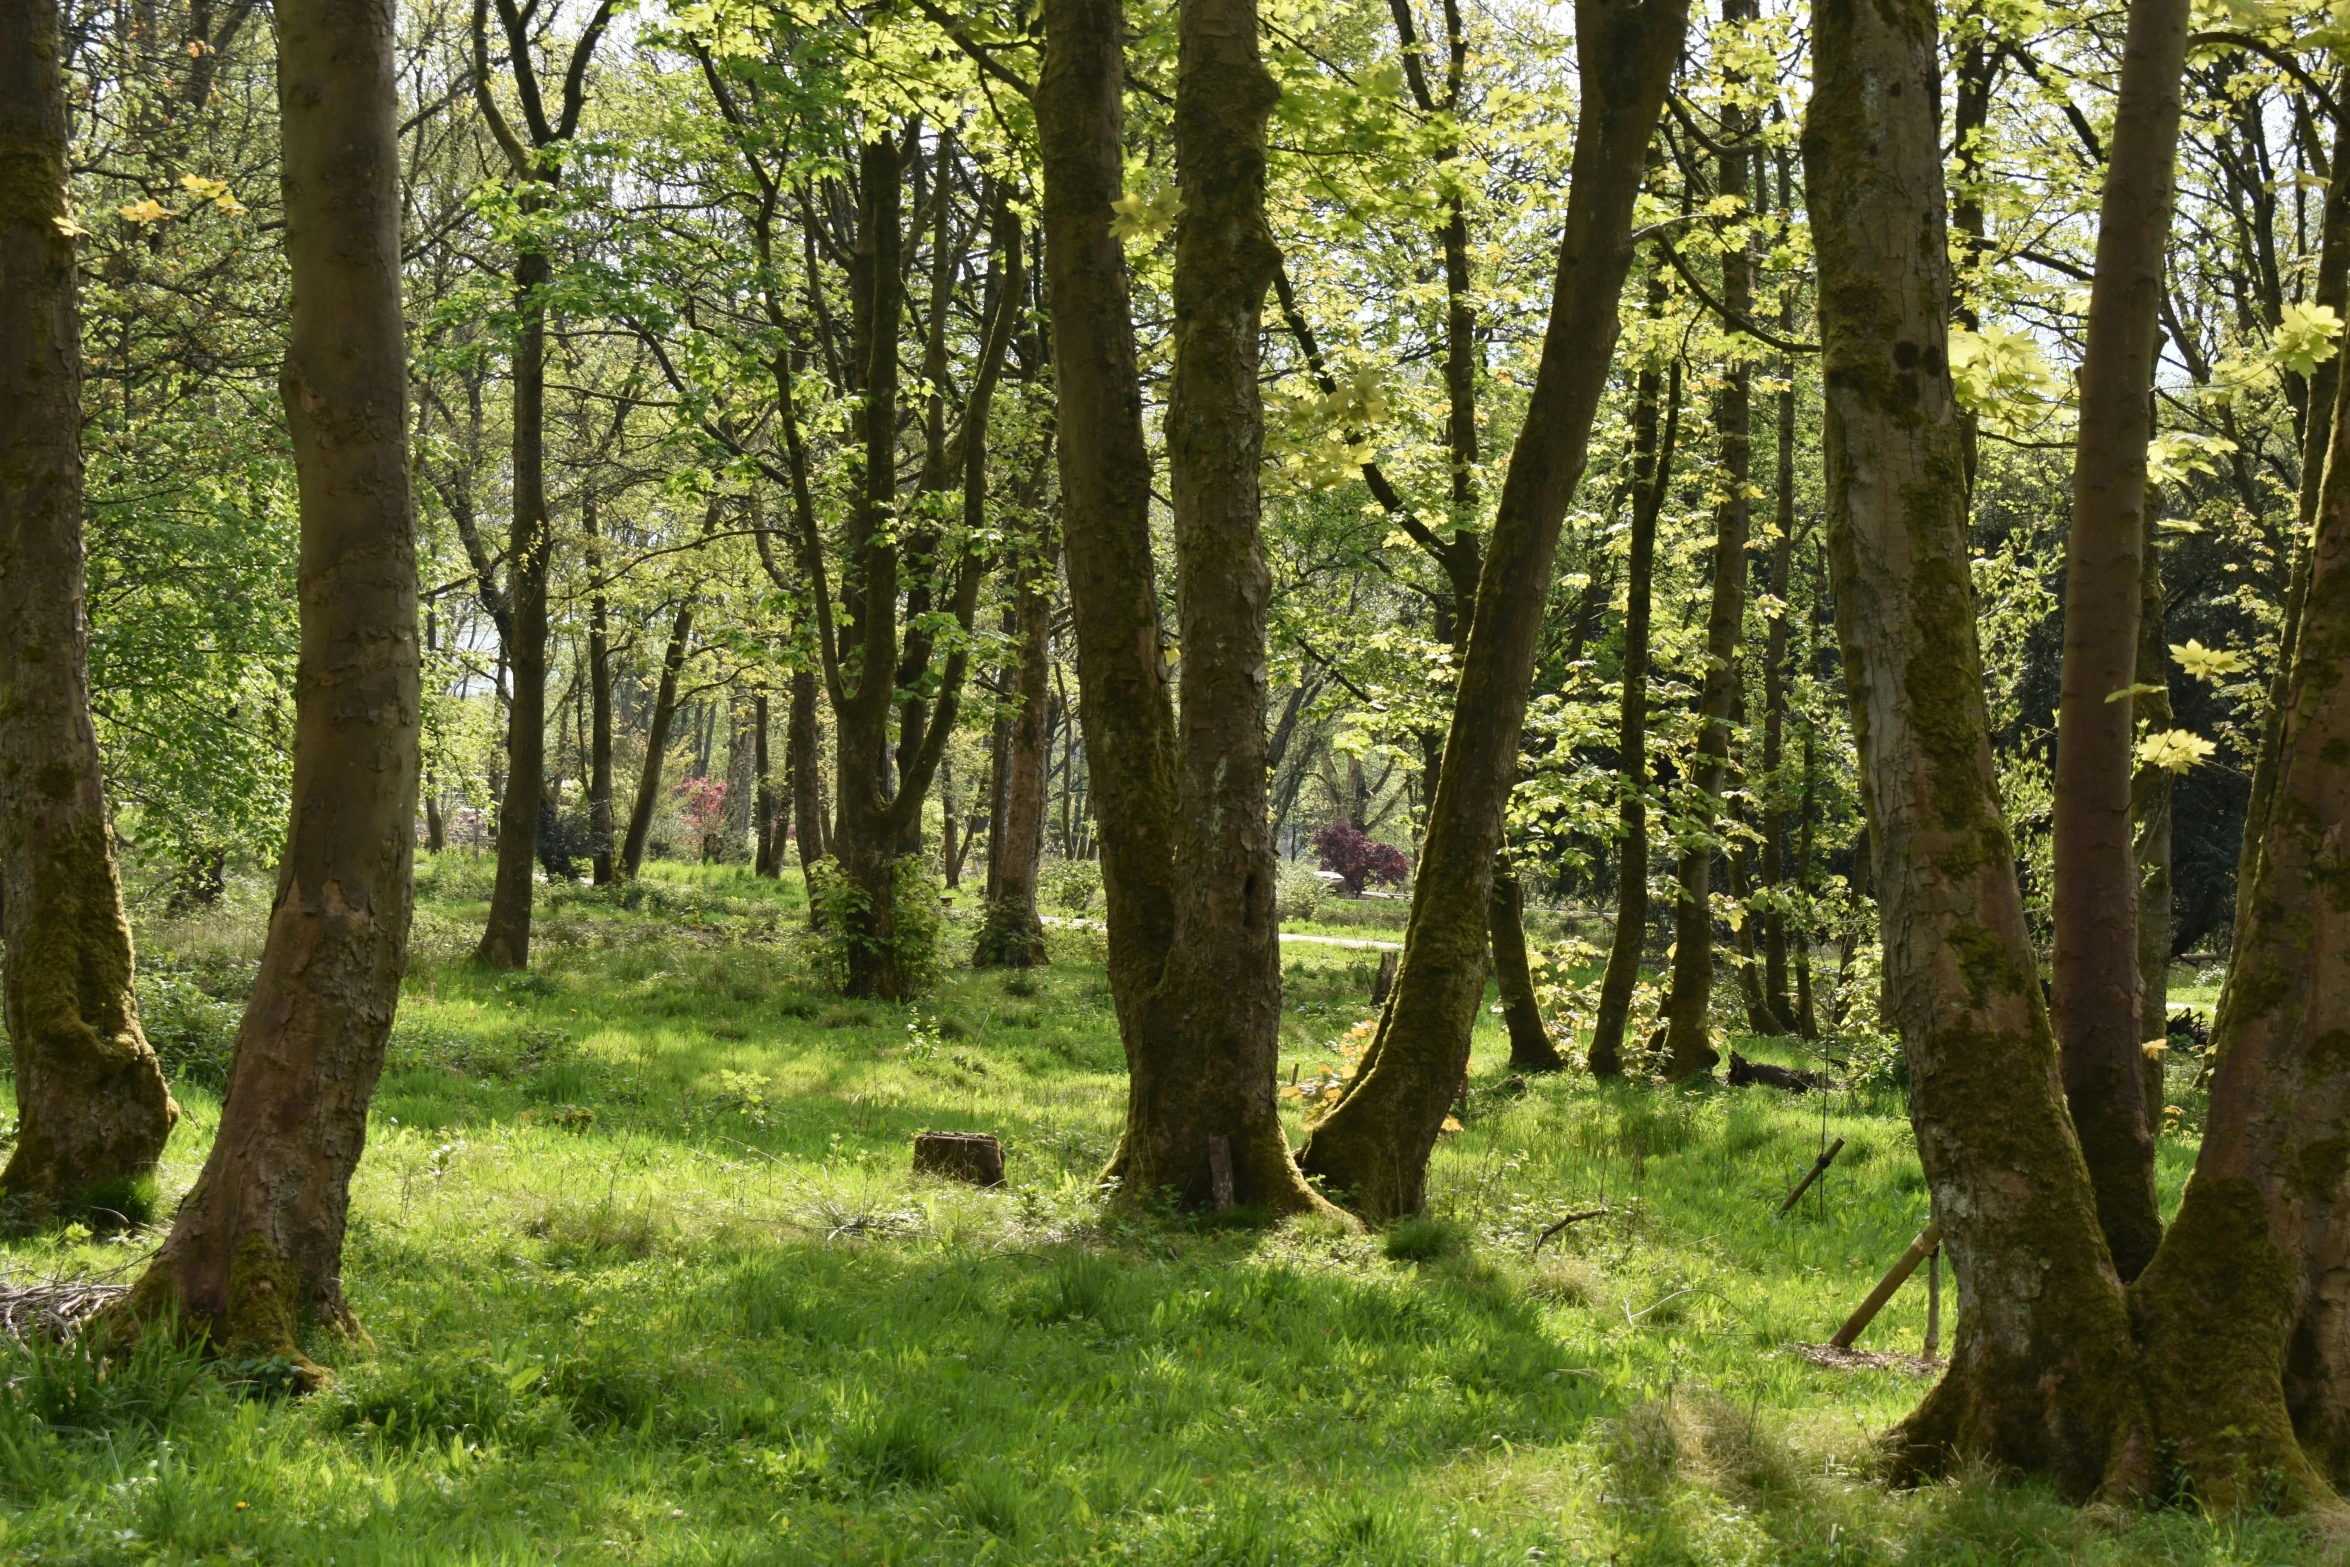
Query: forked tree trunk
1013, 935
505, 938
1375, 1143
2094, 989
1201, 1103
2041, 1376
256, 1249
664, 715
92, 1110
1530, 1046
1688, 1044
2243, 1317
1652, 463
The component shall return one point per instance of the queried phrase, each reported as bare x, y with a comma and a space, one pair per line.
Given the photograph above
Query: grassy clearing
649, 1282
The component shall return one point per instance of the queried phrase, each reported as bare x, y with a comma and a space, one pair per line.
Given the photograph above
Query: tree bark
93, 1113
256, 1249
664, 714
1530, 1046
1773, 791
1375, 1143
1688, 1044
1652, 465
2041, 1376
2094, 989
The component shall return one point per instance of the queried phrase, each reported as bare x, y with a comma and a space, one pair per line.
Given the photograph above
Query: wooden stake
1819, 1167
1928, 1241
1933, 1302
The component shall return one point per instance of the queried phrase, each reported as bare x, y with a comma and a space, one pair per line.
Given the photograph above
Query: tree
2042, 1374
2094, 987
92, 1109
1375, 1142
1013, 935
520, 608
256, 1249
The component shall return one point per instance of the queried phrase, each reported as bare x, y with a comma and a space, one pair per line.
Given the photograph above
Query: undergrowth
649, 1281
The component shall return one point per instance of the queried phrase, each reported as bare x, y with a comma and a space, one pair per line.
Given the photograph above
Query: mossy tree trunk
803, 756
92, 1109
2094, 989
2042, 1371
1688, 1046
2243, 1312
599, 662
1652, 467
1375, 1143
256, 1249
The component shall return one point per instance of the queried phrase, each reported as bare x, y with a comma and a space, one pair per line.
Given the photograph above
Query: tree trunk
802, 755
1375, 1142
92, 1110
767, 852
1013, 936
256, 1249
1773, 791
1688, 1045
1202, 1116
1530, 1046
2041, 1376
742, 778
505, 939
2094, 989
648, 787
1128, 712
1652, 462
2243, 1317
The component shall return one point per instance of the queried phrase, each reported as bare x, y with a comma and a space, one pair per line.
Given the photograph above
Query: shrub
1297, 891
839, 908
194, 1034
1070, 885
1358, 858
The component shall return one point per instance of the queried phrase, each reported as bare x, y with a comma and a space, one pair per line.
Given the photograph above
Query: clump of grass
1424, 1240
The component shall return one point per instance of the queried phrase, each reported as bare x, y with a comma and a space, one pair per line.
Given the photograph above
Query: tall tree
536, 167
2094, 983
92, 1109
2042, 1375
1652, 466
1688, 1047
256, 1249
1374, 1144
1013, 935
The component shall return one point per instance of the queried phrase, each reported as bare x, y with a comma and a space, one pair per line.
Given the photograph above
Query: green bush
194, 1033
840, 910
1297, 891
1070, 885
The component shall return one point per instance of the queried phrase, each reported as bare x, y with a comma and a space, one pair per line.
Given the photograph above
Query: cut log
1929, 1240
1744, 1073
975, 1157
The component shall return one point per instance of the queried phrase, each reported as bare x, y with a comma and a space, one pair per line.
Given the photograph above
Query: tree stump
1386, 980
975, 1157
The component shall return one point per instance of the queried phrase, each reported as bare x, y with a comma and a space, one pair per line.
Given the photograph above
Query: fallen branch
56, 1310
1572, 1218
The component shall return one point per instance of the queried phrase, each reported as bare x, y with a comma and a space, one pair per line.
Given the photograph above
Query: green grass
649, 1281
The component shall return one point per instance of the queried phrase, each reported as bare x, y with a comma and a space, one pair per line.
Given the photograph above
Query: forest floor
648, 1280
